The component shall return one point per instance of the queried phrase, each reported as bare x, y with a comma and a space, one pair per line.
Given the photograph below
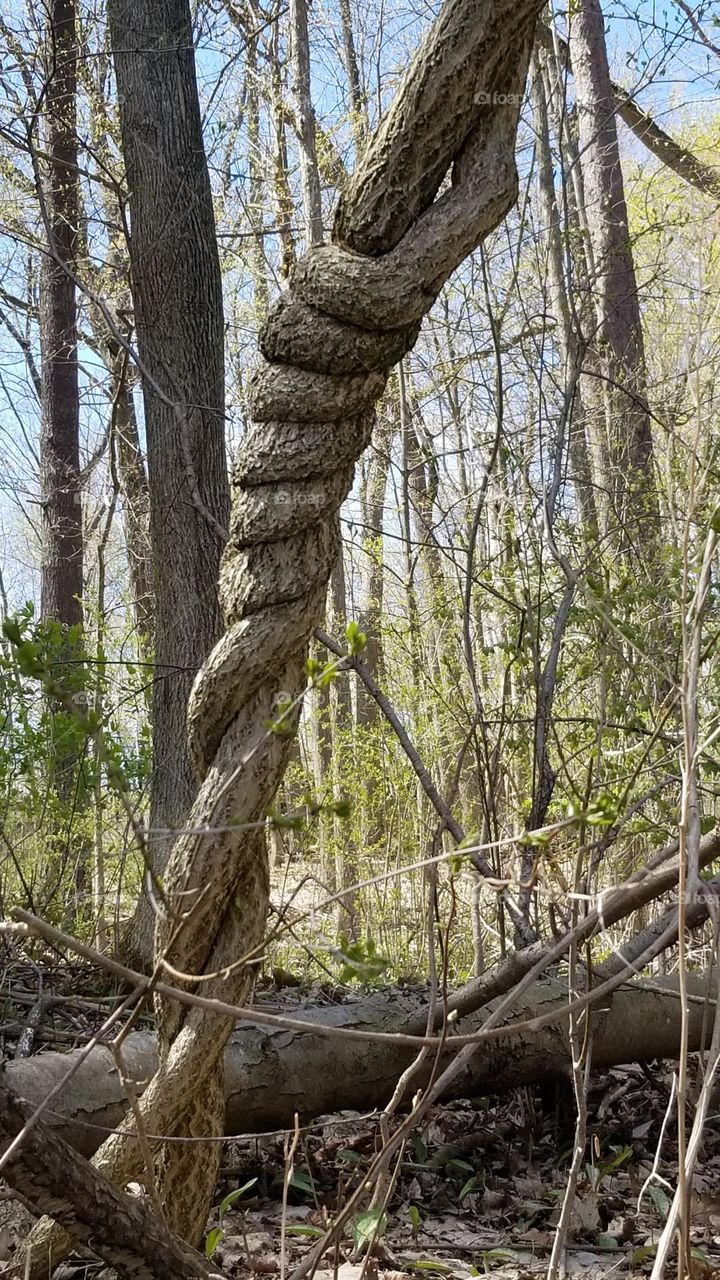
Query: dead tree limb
270, 1073
124, 1230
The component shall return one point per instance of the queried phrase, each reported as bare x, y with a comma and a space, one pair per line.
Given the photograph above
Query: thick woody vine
352, 310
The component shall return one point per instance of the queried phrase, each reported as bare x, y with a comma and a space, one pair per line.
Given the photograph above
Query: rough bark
272, 1073
281, 186
179, 321
284, 538
357, 102
310, 174
60, 493
373, 578
256, 169
619, 329
126, 1231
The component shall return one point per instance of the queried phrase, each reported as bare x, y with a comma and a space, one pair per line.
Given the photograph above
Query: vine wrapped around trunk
351, 311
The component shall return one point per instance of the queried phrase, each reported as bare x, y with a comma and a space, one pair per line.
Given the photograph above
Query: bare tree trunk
271, 1072
373, 512
312, 199
620, 338
179, 320
132, 479
257, 184
283, 198
60, 485
60, 495
568, 338
344, 745
358, 105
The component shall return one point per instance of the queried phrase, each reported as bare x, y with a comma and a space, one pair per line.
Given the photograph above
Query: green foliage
359, 960
368, 1227
50, 768
215, 1237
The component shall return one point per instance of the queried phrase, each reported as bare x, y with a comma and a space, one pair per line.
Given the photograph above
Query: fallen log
271, 1073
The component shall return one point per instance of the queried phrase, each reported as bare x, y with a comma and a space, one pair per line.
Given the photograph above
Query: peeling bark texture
177, 296
217, 877
272, 1073
125, 1231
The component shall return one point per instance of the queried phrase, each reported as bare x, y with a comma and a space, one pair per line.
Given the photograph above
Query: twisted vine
352, 310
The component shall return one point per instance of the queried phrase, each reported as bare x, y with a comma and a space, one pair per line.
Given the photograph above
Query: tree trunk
567, 336
60, 495
179, 320
132, 481
270, 1073
124, 1230
311, 195
373, 575
352, 311
619, 330
256, 169
358, 107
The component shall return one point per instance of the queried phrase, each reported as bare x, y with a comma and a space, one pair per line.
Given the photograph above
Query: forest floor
477, 1190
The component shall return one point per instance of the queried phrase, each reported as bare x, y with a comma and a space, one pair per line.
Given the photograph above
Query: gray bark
132, 478
272, 1073
569, 341
311, 195
124, 1230
179, 320
620, 338
357, 101
60, 494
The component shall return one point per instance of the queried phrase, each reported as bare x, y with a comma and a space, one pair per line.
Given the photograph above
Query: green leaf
12, 631
601, 812
287, 821
414, 1216
368, 1226
212, 1240
232, 1196
429, 1264
303, 1229
419, 1149
641, 1253
356, 638
660, 1200
300, 1181
472, 1184
349, 1156
359, 959
342, 808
